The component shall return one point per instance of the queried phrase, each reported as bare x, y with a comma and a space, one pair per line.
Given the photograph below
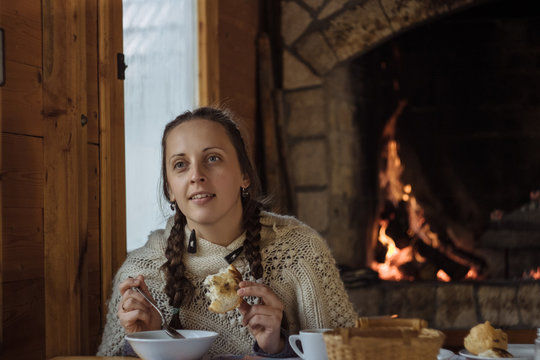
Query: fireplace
452, 87
468, 135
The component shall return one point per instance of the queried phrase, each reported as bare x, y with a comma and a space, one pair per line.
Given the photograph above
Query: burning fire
417, 231
389, 270
390, 179
533, 274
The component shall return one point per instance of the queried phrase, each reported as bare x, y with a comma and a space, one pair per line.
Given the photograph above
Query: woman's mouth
201, 196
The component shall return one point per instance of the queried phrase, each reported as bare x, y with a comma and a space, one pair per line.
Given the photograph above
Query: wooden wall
23, 179
56, 145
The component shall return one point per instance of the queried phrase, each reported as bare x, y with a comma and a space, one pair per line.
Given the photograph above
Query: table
224, 357
92, 358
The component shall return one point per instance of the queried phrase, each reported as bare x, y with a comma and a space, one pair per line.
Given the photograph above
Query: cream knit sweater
298, 267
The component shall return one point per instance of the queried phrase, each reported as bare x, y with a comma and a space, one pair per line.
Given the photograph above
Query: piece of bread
483, 337
222, 289
496, 353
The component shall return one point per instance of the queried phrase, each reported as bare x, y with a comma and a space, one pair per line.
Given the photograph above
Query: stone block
310, 163
528, 299
404, 14
306, 113
366, 300
314, 4
342, 179
498, 305
331, 7
412, 301
456, 307
294, 21
315, 51
313, 209
343, 235
296, 74
356, 30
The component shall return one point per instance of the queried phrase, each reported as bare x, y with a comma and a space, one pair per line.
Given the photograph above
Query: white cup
312, 343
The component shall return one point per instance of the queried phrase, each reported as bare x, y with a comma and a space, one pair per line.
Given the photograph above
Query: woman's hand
134, 312
264, 319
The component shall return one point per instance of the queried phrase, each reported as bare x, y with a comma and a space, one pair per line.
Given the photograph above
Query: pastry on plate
495, 353
484, 337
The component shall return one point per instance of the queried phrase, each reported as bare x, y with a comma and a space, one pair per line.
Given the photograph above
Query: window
160, 48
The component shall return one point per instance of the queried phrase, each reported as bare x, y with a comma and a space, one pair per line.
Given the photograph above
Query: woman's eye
179, 165
213, 158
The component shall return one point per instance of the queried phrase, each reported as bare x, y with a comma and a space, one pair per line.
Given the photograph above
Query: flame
533, 274
442, 276
396, 191
389, 270
472, 274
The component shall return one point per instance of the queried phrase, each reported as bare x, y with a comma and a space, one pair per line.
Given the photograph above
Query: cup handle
292, 341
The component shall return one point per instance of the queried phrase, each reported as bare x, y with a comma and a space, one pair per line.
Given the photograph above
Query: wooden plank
93, 176
94, 283
92, 71
274, 166
209, 57
22, 172
94, 263
22, 100
238, 30
244, 13
24, 305
238, 40
112, 159
66, 197
1, 231
23, 244
21, 21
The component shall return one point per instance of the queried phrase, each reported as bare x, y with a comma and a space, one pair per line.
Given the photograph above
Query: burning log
455, 270
398, 223
451, 249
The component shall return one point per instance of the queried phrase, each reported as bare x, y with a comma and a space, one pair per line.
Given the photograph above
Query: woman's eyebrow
176, 155
212, 148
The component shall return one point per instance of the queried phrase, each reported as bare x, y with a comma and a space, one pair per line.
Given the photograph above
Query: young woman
290, 278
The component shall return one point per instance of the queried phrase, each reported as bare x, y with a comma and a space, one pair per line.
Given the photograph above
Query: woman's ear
171, 195
245, 181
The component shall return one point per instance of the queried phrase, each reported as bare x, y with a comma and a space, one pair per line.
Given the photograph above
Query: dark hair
178, 288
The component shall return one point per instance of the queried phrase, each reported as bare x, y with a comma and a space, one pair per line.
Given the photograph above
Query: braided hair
177, 287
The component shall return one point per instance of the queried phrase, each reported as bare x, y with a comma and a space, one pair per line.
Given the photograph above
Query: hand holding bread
222, 289
226, 290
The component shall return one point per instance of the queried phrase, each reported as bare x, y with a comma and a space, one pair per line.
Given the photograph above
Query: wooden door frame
112, 152
208, 51
1, 231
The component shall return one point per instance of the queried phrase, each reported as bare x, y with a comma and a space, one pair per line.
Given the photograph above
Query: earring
173, 208
245, 192
192, 243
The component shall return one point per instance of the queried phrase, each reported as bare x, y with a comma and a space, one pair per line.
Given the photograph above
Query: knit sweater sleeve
113, 333
143, 261
320, 299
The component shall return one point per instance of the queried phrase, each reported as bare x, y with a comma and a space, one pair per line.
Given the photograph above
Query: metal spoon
168, 329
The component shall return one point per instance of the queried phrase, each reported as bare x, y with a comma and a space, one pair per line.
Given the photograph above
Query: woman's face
203, 173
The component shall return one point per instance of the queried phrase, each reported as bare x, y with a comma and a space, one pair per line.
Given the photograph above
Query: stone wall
454, 305
320, 37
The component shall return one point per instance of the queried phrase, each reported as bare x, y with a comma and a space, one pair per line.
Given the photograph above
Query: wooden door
62, 205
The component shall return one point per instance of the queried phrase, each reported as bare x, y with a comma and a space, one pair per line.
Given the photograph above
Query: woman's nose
197, 175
